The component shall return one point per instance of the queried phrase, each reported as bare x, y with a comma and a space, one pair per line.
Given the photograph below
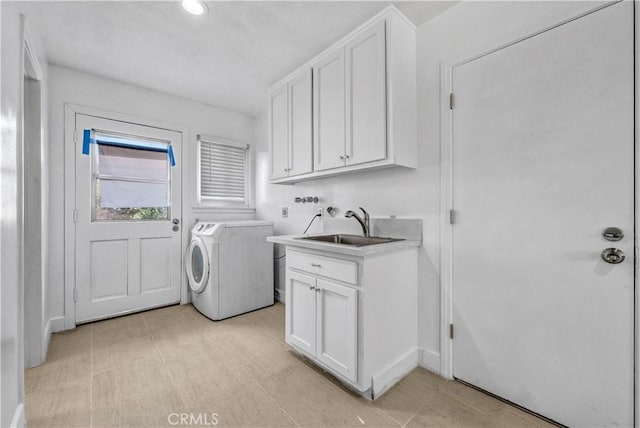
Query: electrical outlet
285, 212
321, 212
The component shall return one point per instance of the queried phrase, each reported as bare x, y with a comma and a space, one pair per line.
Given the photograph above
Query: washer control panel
202, 228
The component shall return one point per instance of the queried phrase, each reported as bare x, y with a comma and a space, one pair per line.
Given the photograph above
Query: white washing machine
230, 267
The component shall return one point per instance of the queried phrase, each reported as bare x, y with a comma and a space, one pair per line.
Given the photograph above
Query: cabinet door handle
346, 157
316, 265
341, 157
311, 287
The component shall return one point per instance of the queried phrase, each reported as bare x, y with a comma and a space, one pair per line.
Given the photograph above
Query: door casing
70, 197
446, 200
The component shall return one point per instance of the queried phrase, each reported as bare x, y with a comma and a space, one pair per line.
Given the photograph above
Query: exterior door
128, 246
301, 307
543, 149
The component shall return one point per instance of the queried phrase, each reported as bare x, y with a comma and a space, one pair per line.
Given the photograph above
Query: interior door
543, 149
128, 213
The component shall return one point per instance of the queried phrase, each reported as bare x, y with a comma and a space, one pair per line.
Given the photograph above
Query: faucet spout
364, 223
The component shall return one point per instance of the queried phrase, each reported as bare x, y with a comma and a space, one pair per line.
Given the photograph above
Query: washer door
197, 262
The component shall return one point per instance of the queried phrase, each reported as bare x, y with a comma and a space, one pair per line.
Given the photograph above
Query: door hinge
75, 215
75, 294
75, 136
451, 101
452, 216
451, 331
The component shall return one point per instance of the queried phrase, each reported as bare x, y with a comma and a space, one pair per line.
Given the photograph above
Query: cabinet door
366, 96
300, 124
300, 320
279, 133
328, 111
336, 333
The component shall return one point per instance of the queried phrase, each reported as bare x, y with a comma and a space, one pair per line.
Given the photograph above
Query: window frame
208, 202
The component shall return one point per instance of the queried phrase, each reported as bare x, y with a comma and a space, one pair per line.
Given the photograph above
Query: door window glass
131, 179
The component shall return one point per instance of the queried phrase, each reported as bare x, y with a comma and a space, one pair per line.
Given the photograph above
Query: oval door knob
613, 234
175, 221
612, 255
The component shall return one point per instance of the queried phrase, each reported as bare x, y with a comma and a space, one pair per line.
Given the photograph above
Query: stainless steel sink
353, 240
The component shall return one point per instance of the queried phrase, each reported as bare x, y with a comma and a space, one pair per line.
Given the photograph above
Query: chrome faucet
363, 223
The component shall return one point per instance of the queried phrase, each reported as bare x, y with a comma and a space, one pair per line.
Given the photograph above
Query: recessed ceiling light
194, 7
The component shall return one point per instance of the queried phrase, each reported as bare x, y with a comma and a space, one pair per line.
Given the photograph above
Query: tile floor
149, 368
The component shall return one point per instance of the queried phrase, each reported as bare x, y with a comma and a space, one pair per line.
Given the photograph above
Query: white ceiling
227, 58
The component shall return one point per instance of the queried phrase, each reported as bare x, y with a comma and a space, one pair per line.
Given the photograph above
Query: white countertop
351, 250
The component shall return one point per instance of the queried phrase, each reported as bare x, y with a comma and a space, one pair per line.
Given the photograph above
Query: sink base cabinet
358, 322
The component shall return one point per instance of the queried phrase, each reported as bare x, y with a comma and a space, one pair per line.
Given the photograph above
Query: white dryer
230, 267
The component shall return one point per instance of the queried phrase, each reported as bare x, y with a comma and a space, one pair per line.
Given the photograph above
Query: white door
542, 164
300, 124
366, 96
337, 333
128, 211
279, 133
300, 321
329, 111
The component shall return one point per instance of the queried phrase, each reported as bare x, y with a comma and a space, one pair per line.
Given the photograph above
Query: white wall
12, 391
459, 33
11, 215
75, 87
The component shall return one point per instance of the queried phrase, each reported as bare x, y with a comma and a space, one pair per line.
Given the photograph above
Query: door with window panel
128, 218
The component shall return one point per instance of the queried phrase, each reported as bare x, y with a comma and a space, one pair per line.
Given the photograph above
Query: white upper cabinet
278, 133
300, 124
364, 102
329, 111
290, 124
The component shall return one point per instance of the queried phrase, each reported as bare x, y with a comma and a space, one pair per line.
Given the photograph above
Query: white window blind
132, 177
224, 172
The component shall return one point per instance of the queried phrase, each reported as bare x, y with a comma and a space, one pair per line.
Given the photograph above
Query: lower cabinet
354, 316
322, 321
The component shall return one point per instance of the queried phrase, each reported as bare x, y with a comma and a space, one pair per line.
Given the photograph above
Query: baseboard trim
19, 420
384, 380
430, 360
57, 324
280, 296
53, 325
